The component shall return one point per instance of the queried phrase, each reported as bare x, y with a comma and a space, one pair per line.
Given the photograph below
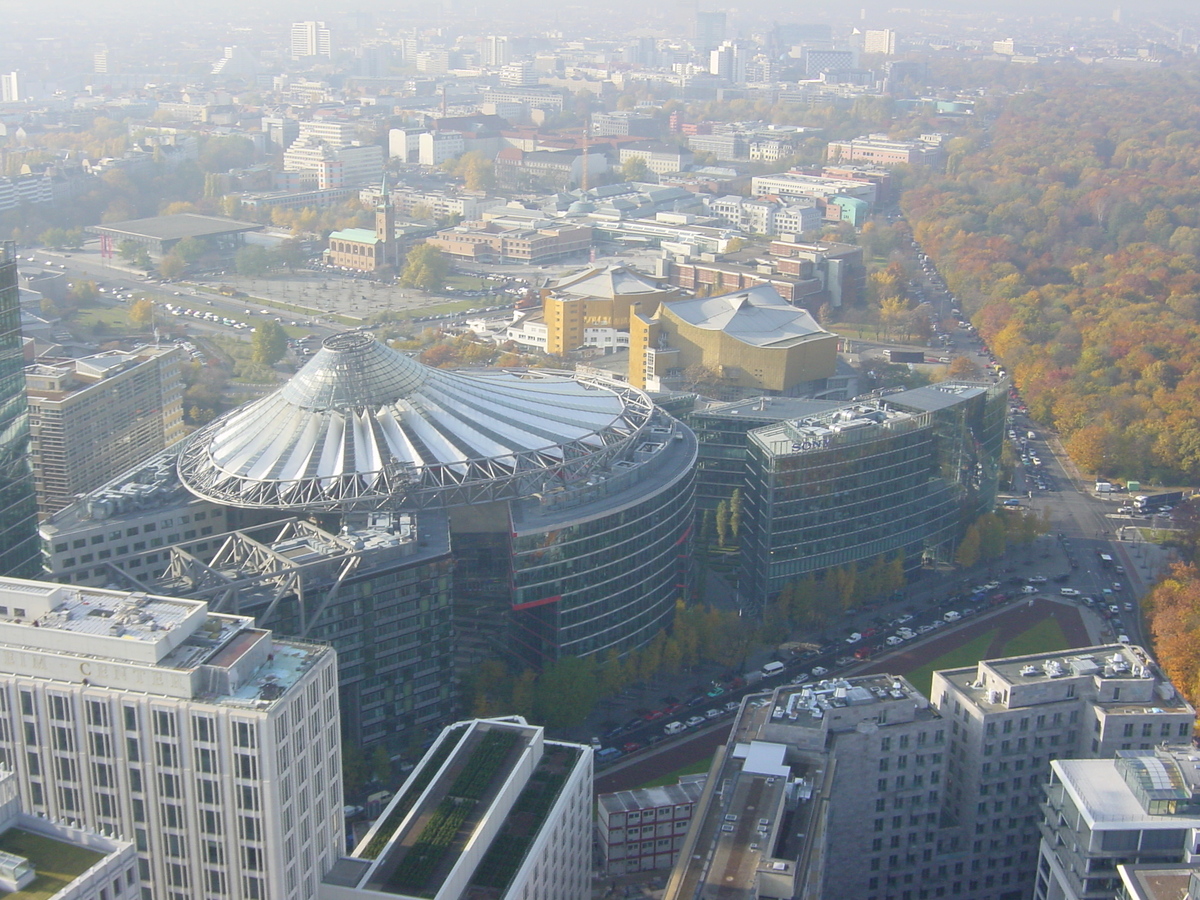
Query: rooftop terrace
56, 862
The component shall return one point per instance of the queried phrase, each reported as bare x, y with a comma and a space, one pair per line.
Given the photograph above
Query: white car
854, 638
1029, 589
818, 671
894, 640
1068, 592
694, 721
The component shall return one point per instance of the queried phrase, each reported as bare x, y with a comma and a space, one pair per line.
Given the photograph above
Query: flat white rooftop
119, 625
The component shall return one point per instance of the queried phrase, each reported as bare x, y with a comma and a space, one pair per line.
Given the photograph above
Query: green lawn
469, 283
1045, 637
57, 863
697, 768
964, 655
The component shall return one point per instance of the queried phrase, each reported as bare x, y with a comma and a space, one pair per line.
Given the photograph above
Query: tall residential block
205, 740
882, 40
493, 811
823, 790
310, 39
92, 418
19, 551
1009, 719
861, 787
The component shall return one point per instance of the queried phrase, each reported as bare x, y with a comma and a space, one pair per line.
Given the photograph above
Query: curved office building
568, 499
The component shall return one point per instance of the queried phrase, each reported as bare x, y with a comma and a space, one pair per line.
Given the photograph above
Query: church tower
385, 228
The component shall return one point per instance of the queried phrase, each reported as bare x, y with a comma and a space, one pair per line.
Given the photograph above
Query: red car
671, 709
653, 714
632, 747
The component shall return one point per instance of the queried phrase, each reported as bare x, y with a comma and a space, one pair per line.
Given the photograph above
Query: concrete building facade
211, 744
1010, 718
578, 307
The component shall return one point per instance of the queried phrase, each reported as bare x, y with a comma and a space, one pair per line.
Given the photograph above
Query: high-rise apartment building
12, 87
19, 550
310, 39
882, 41
92, 418
495, 50
1009, 719
823, 790
205, 740
862, 788
494, 811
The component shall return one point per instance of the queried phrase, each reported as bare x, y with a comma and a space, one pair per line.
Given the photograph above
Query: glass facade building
20, 553
597, 581
902, 475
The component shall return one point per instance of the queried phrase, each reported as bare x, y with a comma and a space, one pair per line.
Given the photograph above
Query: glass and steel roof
362, 426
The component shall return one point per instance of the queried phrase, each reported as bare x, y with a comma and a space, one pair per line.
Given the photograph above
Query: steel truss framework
246, 576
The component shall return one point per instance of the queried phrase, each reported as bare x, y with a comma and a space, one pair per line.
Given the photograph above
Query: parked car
693, 721
1068, 592
818, 671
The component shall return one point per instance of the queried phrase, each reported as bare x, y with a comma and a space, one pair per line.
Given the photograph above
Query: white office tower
310, 39
204, 740
493, 811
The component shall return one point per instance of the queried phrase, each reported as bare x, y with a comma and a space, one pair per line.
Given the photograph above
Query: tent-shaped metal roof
363, 426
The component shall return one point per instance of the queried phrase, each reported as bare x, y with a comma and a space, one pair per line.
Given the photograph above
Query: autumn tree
635, 169
1173, 613
969, 549
425, 268
190, 249
566, 692
722, 522
269, 344
963, 367
252, 261
141, 312
171, 266
735, 513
